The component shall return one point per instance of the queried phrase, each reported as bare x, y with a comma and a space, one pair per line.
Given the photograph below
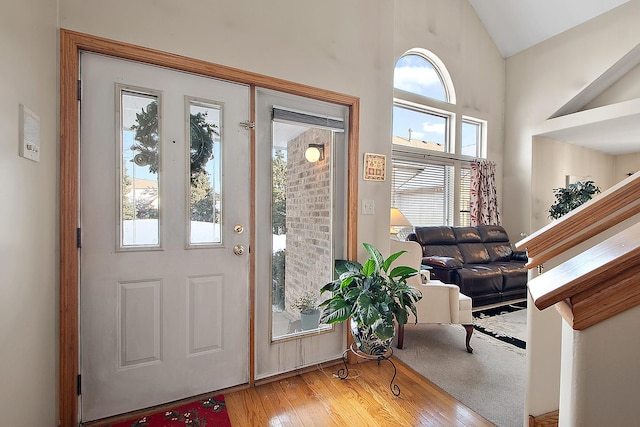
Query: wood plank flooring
317, 398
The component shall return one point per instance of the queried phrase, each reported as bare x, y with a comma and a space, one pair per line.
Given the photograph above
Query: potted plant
374, 296
307, 304
570, 197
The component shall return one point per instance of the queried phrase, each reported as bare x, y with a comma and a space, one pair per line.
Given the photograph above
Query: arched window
424, 98
433, 143
420, 72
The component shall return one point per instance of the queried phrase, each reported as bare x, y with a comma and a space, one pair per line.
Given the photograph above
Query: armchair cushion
499, 251
442, 262
440, 235
449, 251
474, 253
467, 235
520, 256
492, 233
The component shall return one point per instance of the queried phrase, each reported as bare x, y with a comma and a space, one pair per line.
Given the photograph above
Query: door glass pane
139, 184
204, 178
301, 225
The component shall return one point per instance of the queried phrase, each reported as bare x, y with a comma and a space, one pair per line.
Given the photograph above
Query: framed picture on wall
374, 167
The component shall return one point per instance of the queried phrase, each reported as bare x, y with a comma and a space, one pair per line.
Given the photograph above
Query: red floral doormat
210, 412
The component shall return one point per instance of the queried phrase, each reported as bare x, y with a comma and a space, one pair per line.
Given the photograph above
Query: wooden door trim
71, 44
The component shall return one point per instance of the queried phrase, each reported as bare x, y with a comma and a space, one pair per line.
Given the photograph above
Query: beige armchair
440, 303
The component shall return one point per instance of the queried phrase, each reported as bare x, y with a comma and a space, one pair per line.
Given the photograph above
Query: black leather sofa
480, 260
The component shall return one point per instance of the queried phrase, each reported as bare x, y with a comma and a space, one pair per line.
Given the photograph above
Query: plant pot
310, 320
367, 341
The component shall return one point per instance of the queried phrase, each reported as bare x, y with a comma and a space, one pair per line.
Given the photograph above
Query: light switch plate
29, 134
368, 207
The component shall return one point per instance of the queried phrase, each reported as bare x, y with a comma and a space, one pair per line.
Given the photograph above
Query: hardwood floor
317, 398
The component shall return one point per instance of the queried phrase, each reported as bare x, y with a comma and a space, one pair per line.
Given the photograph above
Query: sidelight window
302, 218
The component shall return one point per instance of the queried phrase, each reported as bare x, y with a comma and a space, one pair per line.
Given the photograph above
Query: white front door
165, 210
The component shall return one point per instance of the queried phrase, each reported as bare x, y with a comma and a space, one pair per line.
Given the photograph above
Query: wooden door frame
71, 44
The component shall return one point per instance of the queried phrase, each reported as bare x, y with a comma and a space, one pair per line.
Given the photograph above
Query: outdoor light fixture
314, 153
397, 219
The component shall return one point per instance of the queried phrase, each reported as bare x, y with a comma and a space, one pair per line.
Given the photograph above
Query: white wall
28, 217
539, 81
552, 161
599, 386
629, 163
544, 340
542, 79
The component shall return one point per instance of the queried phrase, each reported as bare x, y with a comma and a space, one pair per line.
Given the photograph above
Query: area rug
491, 380
507, 323
210, 412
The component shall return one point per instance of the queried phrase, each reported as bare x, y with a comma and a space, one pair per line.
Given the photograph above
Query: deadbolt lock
238, 229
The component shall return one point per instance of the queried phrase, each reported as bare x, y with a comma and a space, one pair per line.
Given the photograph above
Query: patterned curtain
484, 197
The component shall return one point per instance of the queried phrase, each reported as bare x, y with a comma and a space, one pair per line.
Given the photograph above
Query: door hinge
78, 238
248, 124
79, 90
79, 385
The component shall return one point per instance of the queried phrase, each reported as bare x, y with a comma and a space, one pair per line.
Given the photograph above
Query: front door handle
238, 250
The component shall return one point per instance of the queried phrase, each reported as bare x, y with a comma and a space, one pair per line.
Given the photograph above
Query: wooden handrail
596, 284
601, 281
603, 212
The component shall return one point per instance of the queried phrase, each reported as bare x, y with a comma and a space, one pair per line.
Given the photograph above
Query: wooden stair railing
596, 284
606, 210
601, 281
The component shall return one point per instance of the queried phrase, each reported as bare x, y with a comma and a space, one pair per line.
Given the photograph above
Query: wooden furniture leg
400, 336
469, 329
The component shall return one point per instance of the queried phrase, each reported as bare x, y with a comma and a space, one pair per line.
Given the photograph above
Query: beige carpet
491, 381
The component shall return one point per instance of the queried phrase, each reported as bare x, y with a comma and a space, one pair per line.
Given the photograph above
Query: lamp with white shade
398, 220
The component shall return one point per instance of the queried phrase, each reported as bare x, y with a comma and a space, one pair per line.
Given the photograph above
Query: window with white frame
421, 190
472, 137
433, 143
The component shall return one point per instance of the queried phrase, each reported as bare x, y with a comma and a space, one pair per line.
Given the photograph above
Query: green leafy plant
277, 285
307, 303
570, 197
370, 294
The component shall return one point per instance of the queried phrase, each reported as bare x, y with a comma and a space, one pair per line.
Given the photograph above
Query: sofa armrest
519, 256
442, 262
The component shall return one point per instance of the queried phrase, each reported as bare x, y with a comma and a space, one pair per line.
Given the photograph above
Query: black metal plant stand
343, 373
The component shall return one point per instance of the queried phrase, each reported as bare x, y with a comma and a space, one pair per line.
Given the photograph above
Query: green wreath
147, 138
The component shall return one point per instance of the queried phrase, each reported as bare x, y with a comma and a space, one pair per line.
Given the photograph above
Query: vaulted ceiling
515, 25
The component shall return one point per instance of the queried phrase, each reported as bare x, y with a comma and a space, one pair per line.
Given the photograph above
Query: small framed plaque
374, 167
